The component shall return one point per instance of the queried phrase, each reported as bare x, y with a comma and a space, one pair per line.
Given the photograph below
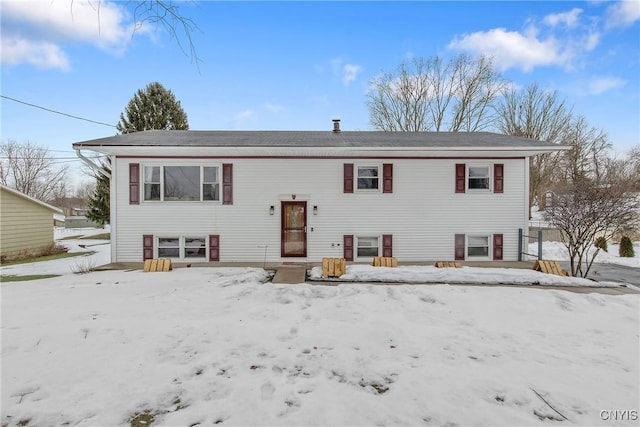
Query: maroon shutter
459, 248
460, 175
498, 178
134, 183
348, 177
387, 245
497, 247
348, 247
387, 178
214, 247
147, 246
227, 184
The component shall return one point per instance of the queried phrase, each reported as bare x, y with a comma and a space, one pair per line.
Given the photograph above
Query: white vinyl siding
423, 213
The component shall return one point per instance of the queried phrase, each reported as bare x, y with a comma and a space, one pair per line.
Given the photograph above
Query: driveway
612, 273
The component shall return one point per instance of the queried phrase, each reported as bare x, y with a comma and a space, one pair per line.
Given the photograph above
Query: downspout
97, 168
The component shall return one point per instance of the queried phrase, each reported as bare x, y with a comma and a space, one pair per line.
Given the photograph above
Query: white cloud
274, 108
603, 84
242, 117
41, 54
40, 28
623, 14
350, 73
570, 19
511, 49
591, 41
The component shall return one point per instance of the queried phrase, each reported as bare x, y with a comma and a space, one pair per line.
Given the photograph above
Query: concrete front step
290, 275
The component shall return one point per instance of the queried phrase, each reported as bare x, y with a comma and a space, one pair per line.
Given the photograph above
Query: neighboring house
26, 224
299, 196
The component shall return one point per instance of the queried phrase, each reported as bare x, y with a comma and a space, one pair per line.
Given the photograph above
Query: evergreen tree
626, 247
153, 108
99, 207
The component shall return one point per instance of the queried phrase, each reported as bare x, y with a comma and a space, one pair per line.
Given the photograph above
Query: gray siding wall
423, 213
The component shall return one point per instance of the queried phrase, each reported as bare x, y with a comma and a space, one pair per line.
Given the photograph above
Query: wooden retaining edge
161, 264
447, 264
333, 267
382, 261
550, 267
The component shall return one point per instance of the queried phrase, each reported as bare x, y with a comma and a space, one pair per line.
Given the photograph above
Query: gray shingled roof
162, 138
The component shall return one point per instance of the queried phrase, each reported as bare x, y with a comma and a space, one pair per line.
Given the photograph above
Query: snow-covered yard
202, 346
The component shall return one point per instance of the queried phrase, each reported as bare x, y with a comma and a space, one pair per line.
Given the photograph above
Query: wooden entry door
294, 229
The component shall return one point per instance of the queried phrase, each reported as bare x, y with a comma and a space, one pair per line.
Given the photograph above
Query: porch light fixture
272, 210
315, 210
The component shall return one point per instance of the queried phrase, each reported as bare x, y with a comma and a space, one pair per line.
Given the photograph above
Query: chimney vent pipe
336, 125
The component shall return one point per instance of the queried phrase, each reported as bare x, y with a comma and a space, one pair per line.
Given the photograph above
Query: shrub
601, 243
626, 247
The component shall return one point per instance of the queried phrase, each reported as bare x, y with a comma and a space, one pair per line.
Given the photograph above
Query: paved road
612, 273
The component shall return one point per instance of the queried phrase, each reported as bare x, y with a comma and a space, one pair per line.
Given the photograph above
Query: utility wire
57, 112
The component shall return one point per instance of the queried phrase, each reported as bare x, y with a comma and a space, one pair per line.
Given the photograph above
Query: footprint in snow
267, 389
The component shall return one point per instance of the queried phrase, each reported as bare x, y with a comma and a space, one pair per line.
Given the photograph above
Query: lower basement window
182, 247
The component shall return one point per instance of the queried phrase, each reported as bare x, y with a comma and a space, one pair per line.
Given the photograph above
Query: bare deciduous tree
165, 14
434, 95
537, 114
583, 211
589, 152
30, 169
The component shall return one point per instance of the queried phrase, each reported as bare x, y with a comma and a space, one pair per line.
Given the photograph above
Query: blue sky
297, 65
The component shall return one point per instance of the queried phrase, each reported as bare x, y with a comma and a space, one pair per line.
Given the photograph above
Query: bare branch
430, 94
584, 210
30, 169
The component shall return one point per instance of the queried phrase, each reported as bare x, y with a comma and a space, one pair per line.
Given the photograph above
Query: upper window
181, 183
478, 178
368, 177
367, 247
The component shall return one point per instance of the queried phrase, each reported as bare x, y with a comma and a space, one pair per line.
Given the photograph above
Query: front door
294, 229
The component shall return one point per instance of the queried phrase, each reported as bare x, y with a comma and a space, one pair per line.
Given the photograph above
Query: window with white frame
478, 177
195, 247
152, 183
478, 246
367, 246
181, 183
368, 178
182, 247
168, 247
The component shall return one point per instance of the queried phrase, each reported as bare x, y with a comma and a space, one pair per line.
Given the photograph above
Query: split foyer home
299, 196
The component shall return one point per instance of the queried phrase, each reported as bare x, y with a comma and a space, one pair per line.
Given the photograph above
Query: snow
200, 346
556, 251
466, 275
217, 345
101, 255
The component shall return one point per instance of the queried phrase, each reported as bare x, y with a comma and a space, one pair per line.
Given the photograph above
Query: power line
57, 112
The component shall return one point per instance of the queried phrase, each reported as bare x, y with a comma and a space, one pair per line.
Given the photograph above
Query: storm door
294, 229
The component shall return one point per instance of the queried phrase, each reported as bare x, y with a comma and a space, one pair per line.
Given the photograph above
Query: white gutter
97, 168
